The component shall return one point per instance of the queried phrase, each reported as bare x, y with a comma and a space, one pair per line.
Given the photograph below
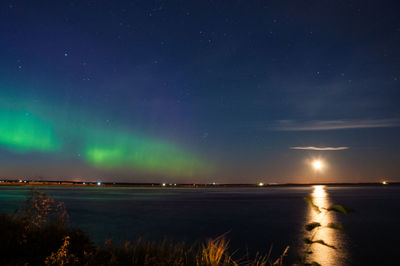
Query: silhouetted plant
36, 230
316, 226
62, 256
40, 210
214, 252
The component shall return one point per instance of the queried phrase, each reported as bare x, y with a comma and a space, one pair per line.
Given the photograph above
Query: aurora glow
104, 148
111, 150
23, 131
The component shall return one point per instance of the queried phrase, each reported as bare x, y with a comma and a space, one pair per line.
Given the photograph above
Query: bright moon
317, 164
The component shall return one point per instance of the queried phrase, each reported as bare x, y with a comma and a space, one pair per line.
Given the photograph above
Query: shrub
36, 230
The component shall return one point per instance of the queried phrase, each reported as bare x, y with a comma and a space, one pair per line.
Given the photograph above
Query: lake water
253, 218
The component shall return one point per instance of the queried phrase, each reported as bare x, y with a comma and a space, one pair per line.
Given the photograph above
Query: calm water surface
253, 218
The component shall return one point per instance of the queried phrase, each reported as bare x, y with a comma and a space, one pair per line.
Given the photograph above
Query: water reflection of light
319, 192
322, 254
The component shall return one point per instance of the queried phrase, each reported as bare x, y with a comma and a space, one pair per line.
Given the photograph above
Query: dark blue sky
200, 91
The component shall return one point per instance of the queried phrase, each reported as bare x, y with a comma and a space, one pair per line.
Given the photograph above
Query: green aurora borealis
40, 129
23, 131
115, 150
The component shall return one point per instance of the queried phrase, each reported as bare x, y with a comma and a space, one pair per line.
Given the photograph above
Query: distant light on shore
261, 184
384, 183
99, 183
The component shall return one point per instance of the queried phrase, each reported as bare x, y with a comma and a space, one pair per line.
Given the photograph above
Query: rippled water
255, 218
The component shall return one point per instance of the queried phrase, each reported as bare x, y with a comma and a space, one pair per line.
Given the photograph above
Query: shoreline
29, 183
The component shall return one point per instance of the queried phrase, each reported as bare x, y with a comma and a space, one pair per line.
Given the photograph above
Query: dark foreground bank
38, 233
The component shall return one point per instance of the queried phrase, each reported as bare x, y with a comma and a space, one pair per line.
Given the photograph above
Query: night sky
200, 91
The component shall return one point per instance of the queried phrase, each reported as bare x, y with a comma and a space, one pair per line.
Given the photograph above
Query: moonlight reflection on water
325, 255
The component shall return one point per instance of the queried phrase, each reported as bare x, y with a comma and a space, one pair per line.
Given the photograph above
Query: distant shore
52, 183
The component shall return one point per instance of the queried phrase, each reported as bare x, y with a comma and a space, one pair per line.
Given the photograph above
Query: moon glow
317, 165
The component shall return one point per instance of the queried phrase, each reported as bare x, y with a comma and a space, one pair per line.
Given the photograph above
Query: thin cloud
319, 125
312, 148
